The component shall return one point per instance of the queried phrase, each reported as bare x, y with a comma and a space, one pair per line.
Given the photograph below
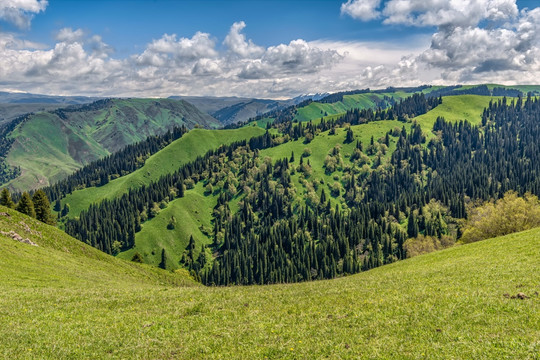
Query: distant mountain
13, 105
27, 98
230, 110
48, 146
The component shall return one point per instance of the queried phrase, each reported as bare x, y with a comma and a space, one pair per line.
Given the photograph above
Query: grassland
195, 143
316, 110
65, 300
456, 108
193, 218
51, 145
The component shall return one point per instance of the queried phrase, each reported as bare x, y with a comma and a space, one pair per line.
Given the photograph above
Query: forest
393, 206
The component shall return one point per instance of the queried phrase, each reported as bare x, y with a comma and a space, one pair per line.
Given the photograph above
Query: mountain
13, 105
48, 146
64, 299
229, 110
28, 98
265, 209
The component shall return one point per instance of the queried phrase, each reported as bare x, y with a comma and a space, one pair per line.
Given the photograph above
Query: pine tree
42, 207
163, 263
349, 137
5, 199
25, 205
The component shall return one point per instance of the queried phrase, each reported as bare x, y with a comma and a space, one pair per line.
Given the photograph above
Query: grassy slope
194, 211
62, 260
193, 215
48, 148
444, 305
316, 110
455, 108
195, 143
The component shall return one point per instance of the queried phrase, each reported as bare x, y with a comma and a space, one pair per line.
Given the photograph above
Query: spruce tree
42, 207
25, 205
163, 263
5, 199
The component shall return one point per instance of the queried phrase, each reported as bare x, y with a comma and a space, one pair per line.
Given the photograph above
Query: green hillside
193, 144
316, 110
193, 212
63, 300
61, 261
51, 145
456, 108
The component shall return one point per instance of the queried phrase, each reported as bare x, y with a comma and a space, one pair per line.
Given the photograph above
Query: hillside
58, 258
229, 110
50, 145
195, 143
63, 299
193, 212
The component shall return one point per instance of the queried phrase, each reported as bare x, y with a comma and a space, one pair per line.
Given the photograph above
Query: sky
264, 49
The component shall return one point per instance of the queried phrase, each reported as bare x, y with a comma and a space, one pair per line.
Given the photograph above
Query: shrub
504, 216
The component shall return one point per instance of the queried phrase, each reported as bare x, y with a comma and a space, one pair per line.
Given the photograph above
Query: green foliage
5, 199
25, 205
172, 223
510, 214
43, 208
423, 244
137, 257
163, 262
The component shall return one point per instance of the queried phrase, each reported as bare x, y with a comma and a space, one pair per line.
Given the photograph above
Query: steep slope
50, 145
195, 143
58, 258
193, 213
457, 303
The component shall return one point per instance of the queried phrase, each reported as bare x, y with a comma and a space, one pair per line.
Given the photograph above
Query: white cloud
453, 13
237, 44
21, 12
475, 41
69, 35
361, 9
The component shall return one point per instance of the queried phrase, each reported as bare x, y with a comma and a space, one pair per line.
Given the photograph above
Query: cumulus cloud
21, 12
361, 9
168, 65
237, 44
475, 40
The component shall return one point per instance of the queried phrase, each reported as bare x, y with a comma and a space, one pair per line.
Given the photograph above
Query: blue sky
273, 49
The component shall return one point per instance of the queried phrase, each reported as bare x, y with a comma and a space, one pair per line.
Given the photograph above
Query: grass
445, 305
456, 108
186, 149
316, 110
48, 147
193, 215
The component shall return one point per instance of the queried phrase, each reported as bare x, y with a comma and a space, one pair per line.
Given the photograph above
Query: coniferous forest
275, 237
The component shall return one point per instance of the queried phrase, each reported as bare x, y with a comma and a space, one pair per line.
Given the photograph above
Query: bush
426, 244
504, 216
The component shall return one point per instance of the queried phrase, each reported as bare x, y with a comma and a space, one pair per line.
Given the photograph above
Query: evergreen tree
163, 263
42, 207
5, 199
137, 258
349, 138
25, 205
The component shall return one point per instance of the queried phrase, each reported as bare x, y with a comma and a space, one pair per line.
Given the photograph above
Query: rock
12, 234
